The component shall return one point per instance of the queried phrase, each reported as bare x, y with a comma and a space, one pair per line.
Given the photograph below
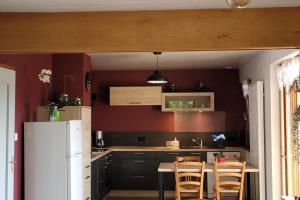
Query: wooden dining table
209, 168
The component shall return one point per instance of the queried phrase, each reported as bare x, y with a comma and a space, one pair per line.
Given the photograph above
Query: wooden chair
229, 182
188, 181
188, 159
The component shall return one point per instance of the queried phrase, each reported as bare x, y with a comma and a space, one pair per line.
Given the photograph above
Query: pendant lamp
156, 77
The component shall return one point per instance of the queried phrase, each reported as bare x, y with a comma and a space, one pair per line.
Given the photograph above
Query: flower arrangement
45, 75
220, 139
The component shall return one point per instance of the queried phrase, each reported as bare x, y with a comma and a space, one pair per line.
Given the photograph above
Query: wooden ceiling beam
177, 30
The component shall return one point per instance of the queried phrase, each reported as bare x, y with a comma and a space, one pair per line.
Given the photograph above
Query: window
288, 74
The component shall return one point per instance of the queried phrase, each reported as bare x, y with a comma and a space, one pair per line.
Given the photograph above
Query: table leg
161, 186
248, 187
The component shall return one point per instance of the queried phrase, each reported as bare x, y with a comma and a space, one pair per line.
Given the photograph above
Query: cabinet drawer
137, 154
86, 171
135, 181
86, 160
87, 197
87, 187
136, 166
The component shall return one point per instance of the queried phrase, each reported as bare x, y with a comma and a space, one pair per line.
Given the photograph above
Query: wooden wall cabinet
188, 101
84, 114
132, 96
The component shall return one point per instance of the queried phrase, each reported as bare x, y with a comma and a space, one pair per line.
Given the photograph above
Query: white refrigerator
53, 160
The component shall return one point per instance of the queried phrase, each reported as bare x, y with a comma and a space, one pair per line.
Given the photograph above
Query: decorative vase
63, 100
200, 87
172, 87
77, 102
221, 159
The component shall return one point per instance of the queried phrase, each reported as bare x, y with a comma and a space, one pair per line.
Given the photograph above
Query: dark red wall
87, 67
225, 84
30, 93
75, 65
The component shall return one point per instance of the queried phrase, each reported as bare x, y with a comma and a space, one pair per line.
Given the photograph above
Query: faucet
198, 143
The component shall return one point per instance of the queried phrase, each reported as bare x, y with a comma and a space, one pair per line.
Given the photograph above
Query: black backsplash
159, 138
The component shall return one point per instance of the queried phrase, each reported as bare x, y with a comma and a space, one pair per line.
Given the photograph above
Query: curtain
288, 72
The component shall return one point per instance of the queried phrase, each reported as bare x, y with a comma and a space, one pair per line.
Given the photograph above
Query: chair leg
218, 196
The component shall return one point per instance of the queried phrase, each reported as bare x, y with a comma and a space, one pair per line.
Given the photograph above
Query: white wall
261, 68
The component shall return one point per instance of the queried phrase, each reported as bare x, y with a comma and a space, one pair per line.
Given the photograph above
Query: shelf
188, 102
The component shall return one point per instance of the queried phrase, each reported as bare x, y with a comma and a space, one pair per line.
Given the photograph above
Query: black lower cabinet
100, 178
135, 170
94, 180
130, 170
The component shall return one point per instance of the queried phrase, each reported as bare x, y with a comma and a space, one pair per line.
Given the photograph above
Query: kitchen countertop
97, 154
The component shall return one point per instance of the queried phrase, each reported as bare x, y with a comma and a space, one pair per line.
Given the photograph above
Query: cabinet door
94, 180
108, 172
147, 95
102, 189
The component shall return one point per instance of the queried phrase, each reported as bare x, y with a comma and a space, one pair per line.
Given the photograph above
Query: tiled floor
137, 195
131, 198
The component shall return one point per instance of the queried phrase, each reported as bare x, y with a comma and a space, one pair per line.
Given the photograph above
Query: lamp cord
157, 62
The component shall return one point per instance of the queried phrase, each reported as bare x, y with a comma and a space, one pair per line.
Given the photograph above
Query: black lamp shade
157, 78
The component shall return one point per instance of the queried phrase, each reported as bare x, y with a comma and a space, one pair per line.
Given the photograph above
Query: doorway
7, 127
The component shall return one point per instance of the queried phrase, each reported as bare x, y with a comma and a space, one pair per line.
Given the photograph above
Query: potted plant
219, 139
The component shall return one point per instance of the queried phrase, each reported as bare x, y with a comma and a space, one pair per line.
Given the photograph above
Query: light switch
16, 137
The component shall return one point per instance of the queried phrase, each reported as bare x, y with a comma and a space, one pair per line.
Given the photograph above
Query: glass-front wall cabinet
189, 101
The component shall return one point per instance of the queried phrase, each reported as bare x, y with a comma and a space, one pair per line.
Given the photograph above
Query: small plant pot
221, 159
52, 118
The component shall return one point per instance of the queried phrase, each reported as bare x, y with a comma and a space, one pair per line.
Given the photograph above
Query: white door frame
7, 132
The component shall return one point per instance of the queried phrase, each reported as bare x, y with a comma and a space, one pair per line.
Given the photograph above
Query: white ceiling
170, 60
122, 5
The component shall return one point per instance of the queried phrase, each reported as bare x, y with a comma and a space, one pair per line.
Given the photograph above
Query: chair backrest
188, 159
189, 178
230, 177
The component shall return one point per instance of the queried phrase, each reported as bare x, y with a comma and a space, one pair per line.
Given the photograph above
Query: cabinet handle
134, 102
87, 177
139, 161
87, 198
88, 166
173, 153
138, 176
139, 153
